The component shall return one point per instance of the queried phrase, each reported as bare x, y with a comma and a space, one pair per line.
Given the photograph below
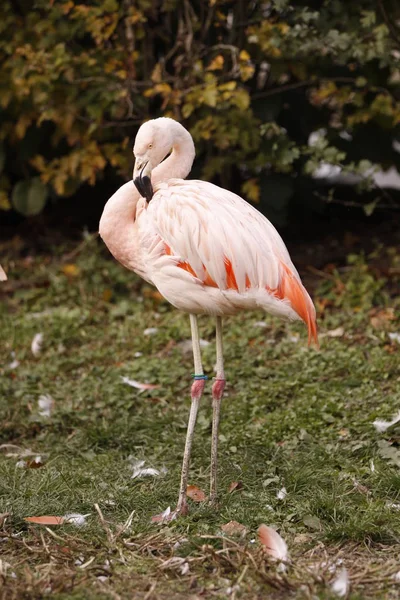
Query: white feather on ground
340, 585
381, 425
36, 345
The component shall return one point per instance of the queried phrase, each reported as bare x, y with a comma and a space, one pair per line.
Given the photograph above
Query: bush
251, 81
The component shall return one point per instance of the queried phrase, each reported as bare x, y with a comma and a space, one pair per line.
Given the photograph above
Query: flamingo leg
217, 392
196, 393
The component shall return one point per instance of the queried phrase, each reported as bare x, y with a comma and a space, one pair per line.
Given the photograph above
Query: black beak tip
144, 187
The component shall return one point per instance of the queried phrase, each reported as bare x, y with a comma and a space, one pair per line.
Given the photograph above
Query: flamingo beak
141, 179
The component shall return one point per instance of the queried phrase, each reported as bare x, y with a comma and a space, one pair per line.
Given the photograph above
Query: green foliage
250, 82
29, 197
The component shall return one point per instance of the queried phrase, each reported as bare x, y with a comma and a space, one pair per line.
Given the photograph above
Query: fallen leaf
46, 520
235, 485
3, 276
312, 522
36, 463
70, 270
273, 543
107, 295
36, 345
381, 425
195, 493
139, 385
340, 585
389, 452
233, 528
381, 318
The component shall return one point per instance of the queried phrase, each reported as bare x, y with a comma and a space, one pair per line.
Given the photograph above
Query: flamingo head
152, 144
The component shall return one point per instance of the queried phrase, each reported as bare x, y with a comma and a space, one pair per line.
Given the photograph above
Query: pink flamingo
205, 249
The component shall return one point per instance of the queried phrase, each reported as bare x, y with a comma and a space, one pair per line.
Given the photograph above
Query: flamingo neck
179, 162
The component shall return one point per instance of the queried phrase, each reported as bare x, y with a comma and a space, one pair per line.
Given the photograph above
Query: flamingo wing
223, 242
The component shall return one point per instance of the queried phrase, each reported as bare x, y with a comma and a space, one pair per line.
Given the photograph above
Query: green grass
292, 417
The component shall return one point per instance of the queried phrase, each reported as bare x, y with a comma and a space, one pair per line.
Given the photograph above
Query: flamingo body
208, 251
205, 249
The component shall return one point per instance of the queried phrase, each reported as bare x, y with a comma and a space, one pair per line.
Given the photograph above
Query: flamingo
206, 250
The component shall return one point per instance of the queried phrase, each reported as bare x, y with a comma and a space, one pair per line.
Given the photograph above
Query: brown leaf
46, 520
233, 528
235, 485
381, 318
195, 493
36, 463
107, 294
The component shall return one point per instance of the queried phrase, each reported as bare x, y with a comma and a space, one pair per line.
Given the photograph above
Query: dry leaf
3, 276
107, 294
36, 463
233, 528
139, 385
195, 493
46, 520
381, 318
273, 543
235, 485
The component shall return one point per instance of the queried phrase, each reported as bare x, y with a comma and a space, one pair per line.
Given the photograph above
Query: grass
293, 418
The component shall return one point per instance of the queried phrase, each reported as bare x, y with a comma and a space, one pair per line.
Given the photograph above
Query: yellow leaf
4, 201
187, 110
70, 270
251, 190
216, 64
243, 55
156, 74
210, 96
229, 86
241, 99
22, 125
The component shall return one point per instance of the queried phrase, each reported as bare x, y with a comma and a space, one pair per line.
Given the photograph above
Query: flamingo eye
150, 145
